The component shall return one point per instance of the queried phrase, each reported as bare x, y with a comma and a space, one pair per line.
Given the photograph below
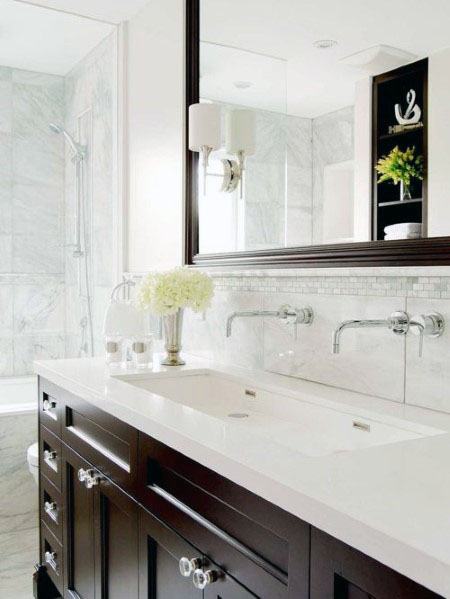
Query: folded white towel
403, 236
403, 228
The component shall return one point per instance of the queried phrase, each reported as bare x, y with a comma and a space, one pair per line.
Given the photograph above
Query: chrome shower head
79, 151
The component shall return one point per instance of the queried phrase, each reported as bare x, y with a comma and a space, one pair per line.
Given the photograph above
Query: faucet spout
247, 314
355, 324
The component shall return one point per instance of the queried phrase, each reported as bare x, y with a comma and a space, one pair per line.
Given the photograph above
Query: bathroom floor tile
20, 552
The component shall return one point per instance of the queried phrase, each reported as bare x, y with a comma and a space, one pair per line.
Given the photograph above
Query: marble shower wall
371, 361
90, 103
278, 186
31, 219
284, 185
40, 281
332, 141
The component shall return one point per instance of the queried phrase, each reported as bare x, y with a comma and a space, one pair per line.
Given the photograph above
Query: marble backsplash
371, 361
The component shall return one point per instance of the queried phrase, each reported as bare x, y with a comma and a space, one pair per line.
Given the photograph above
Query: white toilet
33, 461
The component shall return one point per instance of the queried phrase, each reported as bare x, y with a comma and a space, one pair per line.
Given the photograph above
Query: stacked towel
403, 231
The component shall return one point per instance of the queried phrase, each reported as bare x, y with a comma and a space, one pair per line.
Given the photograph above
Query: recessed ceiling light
243, 84
324, 44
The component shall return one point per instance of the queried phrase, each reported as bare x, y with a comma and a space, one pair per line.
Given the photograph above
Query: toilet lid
33, 455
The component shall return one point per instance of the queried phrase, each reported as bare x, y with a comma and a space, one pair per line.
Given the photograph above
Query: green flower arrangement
400, 167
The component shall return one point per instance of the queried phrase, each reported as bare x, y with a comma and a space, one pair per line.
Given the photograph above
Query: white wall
155, 90
439, 144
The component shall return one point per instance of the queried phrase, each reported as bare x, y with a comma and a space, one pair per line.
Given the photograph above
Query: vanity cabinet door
78, 534
341, 572
116, 532
160, 552
226, 588
101, 534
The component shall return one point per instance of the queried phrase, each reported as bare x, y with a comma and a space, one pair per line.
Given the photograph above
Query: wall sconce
204, 132
205, 137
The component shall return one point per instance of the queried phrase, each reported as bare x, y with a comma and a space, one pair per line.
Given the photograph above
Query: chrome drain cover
238, 415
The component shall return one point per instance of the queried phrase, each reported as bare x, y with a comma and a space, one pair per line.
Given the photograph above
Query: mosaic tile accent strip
420, 287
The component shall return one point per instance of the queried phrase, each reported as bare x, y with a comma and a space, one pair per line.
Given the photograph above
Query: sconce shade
204, 126
240, 132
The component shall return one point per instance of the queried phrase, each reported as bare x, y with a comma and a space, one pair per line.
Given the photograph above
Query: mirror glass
335, 122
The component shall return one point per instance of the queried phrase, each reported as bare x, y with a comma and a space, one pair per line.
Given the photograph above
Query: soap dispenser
123, 323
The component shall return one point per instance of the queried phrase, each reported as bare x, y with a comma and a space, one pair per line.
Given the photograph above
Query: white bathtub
18, 395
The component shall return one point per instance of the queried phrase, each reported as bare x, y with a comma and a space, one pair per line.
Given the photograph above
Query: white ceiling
47, 41
113, 11
316, 81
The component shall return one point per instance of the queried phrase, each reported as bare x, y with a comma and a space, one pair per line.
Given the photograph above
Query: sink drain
238, 415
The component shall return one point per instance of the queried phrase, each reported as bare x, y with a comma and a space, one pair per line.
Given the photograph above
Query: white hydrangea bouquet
167, 294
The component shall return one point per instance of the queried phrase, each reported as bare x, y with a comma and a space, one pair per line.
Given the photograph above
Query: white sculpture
413, 112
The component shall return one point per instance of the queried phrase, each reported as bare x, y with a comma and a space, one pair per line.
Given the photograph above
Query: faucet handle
427, 325
296, 315
399, 322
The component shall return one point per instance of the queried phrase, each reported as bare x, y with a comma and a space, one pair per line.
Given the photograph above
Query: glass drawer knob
202, 579
188, 566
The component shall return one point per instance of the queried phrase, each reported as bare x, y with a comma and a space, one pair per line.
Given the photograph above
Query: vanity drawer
50, 456
50, 406
51, 507
102, 439
249, 538
52, 557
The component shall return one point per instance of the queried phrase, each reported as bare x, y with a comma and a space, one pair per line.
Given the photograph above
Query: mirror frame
431, 251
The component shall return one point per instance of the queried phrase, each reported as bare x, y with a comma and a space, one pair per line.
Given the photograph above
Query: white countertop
392, 502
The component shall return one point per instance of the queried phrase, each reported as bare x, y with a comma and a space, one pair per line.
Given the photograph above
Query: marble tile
28, 348
37, 205
18, 490
371, 360
5, 106
428, 377
6, 356
332, 142
5, 73
6, 310
5, 156
39, 308
36, 252
205, 336
20, 552
5, 207
39, 160
6, 252
37, 105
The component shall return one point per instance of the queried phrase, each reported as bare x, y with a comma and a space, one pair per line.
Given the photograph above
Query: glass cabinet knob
202, 579
188, 566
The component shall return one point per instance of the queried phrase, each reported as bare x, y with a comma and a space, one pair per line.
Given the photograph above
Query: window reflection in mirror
332, 88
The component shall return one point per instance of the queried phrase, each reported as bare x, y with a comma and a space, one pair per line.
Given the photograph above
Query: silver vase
173, 325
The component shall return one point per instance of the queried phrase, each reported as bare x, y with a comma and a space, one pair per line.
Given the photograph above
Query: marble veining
37, 206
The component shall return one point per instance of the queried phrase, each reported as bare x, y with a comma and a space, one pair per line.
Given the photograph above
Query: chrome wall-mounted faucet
290, 315
428, 325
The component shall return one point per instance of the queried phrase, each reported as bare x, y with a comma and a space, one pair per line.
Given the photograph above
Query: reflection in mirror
330, 119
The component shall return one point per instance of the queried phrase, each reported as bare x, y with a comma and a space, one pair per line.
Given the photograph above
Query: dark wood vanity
119, 510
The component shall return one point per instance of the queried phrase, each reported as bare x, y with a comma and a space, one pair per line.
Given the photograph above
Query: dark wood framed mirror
401, 83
